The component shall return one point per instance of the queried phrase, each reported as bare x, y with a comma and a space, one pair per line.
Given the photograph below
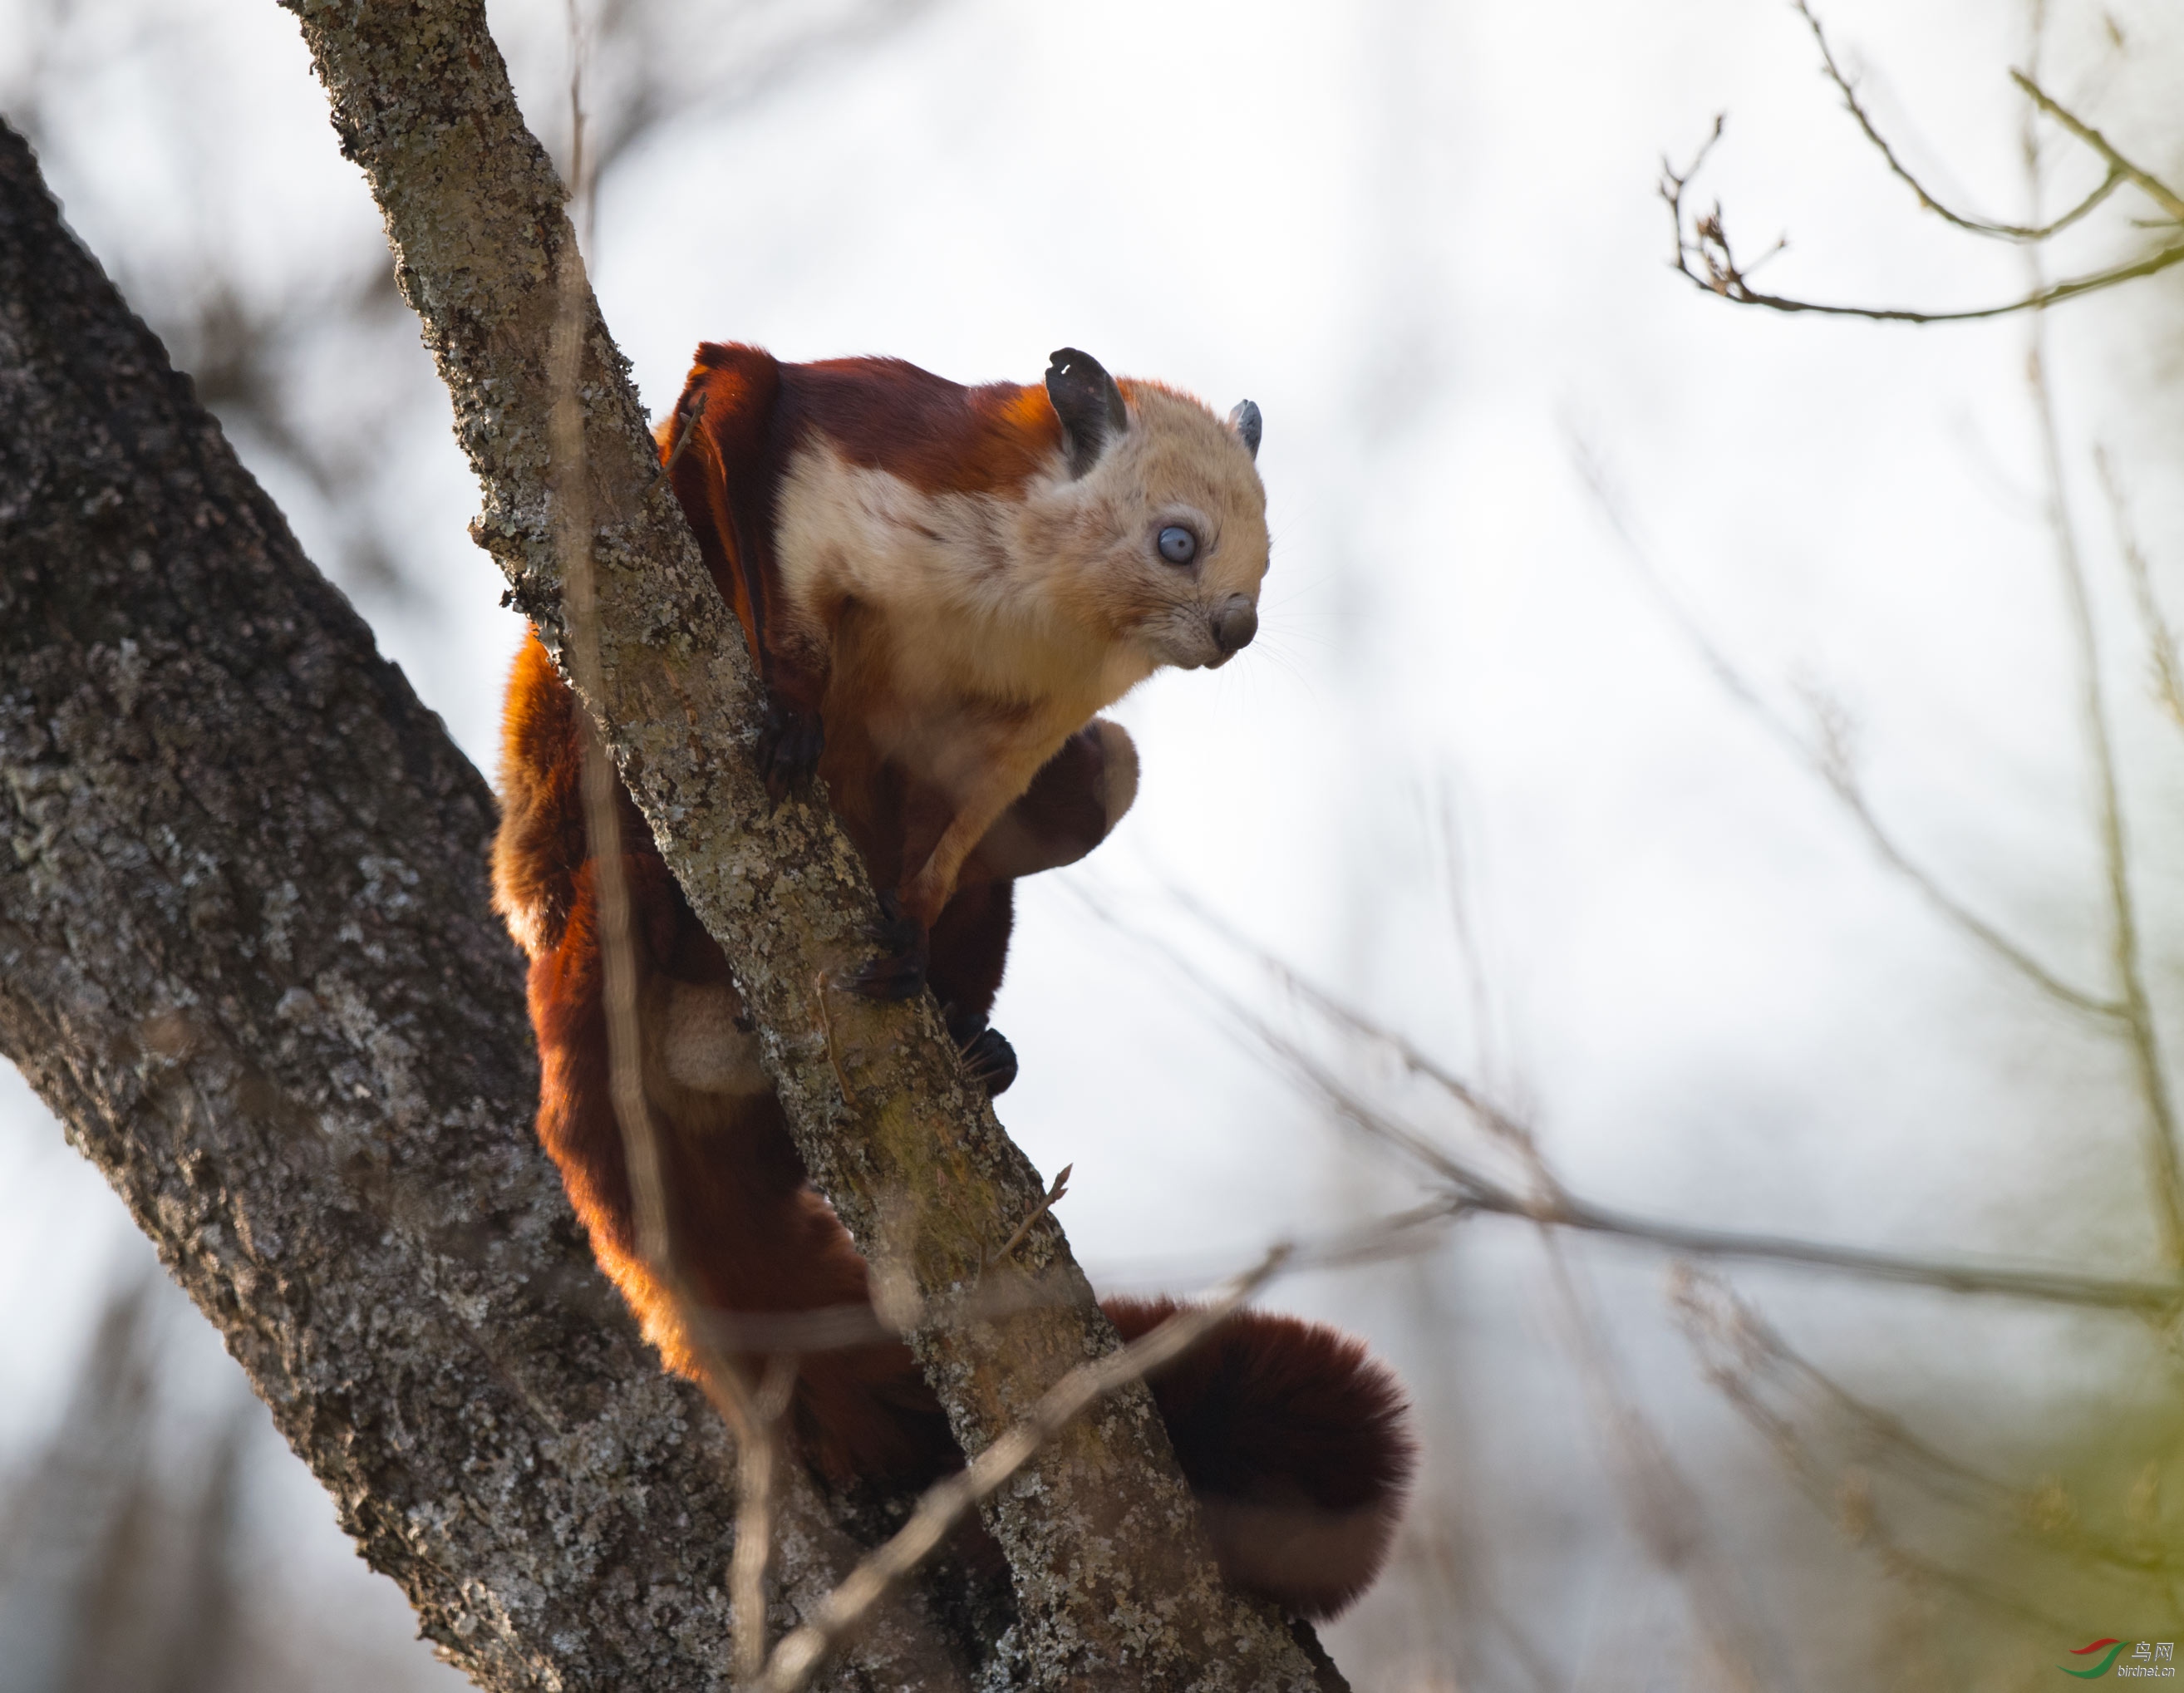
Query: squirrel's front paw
987, 1057
789, 747
899, 973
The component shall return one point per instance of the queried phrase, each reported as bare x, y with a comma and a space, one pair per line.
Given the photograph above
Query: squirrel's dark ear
1088, 404
1245, 420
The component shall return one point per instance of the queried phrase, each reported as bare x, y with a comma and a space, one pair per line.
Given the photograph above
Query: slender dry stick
2148, 1066
746, 1415
2152, 187
1456, 864
2119, 170
1503, 1124
1828, 761
1663, 1507
2160, 638
1743, 1353
689, 421
1719, 271
759, 1457
1750, 1364
1052, 1198
843, 1327
602, 824
946, 1501
1472, 1189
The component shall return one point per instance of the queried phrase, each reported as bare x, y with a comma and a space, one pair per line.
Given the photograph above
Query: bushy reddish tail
1298, 1445
1295, 1441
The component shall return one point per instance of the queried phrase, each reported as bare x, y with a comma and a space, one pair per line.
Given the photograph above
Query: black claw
987, 1054
899, 973
992, 1062
789, 747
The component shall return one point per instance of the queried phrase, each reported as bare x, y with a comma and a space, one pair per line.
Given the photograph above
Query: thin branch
1720, 273
572, 519
1744, 1358
1731, 286
746, 1414
2160, 638
1053, 1197
1664, 1509
1472, 1189
2154, 188
759, 1457
2052, 1287
2125, 946
1744, 1355
1503, 1124
841, 1328
945, 1503
2119, 170
689, 420
1830, 762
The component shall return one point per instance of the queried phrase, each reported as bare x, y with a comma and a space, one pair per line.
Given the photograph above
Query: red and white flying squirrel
942, 586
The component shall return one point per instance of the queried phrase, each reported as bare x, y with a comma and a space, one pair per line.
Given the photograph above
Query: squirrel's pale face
1160, 543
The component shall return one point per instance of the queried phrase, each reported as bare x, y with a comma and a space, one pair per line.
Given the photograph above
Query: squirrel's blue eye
1178, 545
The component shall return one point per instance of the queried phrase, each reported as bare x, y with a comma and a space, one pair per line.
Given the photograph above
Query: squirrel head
1154, 520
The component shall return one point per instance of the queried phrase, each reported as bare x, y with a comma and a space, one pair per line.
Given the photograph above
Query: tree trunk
246, 955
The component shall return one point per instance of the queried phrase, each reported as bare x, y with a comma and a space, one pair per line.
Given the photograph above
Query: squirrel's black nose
1235, 624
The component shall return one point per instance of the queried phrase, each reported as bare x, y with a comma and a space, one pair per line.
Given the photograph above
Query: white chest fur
972, 611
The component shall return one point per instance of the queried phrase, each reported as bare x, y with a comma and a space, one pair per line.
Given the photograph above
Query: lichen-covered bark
246, 955
1112, 1580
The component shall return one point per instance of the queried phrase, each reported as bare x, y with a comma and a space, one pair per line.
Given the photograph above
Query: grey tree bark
246, 955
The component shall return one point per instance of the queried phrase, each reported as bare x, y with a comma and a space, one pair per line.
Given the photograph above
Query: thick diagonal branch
910, 1155
246, 955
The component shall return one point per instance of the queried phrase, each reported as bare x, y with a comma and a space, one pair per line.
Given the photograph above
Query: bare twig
1748, 1359
2119, 170
2052, 1287
1503, 1124
2164, 1154
1053, 1197
1664, 1509
603, 825
1719, 272
723, 1382
759, 1457
840, 1327
2152, 187
690, 420
1835, 1446
2160, 638
820, 984
747, 1415
1705, 256
1473, 1190
1830, 761
945, 1503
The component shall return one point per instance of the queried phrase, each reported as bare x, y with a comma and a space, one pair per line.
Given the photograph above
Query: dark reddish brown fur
1291, 1436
